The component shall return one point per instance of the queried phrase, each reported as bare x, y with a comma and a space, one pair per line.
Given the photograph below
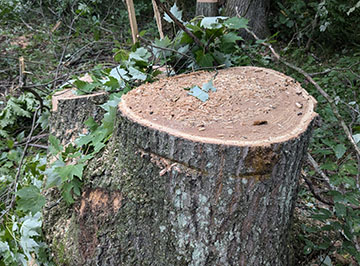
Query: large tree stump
185, 182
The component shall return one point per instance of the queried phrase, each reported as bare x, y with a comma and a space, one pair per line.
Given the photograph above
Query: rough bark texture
67, 121
256, 11
207, 9
70, 113
152, 198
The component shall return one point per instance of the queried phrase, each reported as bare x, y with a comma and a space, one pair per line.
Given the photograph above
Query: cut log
207, 8
186, 182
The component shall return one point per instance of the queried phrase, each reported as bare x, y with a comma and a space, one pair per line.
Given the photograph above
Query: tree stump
186, 182
207, 8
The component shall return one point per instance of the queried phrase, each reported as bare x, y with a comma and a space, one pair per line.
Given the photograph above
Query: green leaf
199, 93
136, 74
91, 124
211, 22
204, 60
163, 43
70, 188
53, 178
68, 172
176, 12
339, 150
230, 37
30, 199
208, 86
119, 74
141, 54
55, 146
84, 87
28, 230
340, 210
356, 138
236, 23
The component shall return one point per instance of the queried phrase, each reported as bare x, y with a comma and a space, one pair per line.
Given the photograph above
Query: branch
319, 171
178, 22
165, 48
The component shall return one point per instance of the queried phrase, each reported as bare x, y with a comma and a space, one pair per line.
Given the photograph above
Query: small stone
299, 105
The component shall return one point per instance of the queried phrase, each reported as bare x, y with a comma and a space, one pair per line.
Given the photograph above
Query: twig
164, 48
32, 139
316, 195
17, 176
319, 171
38, 146
181, 25
319, 198
333, 69
64, 50
319, 89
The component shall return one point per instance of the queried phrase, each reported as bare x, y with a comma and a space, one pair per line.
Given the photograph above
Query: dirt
250, 106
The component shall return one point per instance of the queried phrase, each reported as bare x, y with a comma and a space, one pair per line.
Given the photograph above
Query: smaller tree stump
207, 8
70, 111
186, 182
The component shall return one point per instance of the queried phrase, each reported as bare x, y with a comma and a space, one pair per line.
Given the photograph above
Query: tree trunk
186, 182
207, 8
256, 11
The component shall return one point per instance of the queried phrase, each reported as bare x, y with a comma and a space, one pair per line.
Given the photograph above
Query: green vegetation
59, 41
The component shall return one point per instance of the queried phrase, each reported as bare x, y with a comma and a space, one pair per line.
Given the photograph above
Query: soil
250, 106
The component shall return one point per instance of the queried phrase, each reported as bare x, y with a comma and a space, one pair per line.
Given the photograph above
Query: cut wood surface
251, 106
164, 192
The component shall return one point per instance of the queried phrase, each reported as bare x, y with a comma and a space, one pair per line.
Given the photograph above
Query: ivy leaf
208, 86
199, 93
69, 171
163, 43
70, 188
339, 150
28, 230
340, 210
236, 23
141, 54
136, 74
231, 37
119, 73
211, 22
204, 60
91, 124
30, 199
356, 138
55, 146
176, 12
53, 178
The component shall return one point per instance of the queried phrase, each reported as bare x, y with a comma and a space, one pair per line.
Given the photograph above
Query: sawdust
251, 105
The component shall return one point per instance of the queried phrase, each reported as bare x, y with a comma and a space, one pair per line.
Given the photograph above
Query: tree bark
155, 197
256, 11
207, 8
